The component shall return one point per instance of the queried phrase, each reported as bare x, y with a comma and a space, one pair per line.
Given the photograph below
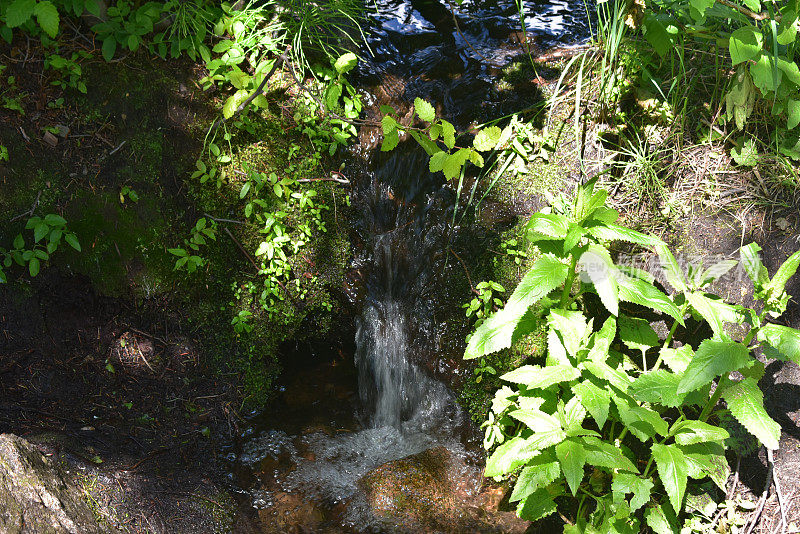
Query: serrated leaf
677, 359
390, 140
509, 456
47, 17
487, 138
657, 520
388, 124
424, 110
497, 331
689, 432
537, 505
672, 271
745, 43
673, 471
659, 387
751, 261
448, 135
615, 232
595, 399
784, 273
19, 12
536, 420
437, 161
708, 459
572, 458
603, 454
572, 326
713, 359
643, 293
625, 483
783, 339
547, 226
637, 334
540, 472
476, 159
454, 162
642, 422
596, 262
602, 370
534, 376
233, 102
425, 142
746, 403
345, 63
715, 312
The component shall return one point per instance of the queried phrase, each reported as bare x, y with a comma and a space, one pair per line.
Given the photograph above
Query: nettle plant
614, 424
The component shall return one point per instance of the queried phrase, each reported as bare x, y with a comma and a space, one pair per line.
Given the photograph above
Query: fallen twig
763, 500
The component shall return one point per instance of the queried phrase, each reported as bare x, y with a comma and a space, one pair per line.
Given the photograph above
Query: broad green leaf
689, 432
672, 270
388, 124
574, 415
536, 420
596, 262
751, 261
109, 47
345, 63
657, 35
437, 161
745, 44
637, 334
540, 472
602, 370
677, 359
390, 140
642, 422
659, 387
603, 454
47, 17
766, 75
509, 456
233, 102
72, 240
454, 162
785, 272
424, 110
547, 226
497, 331
572, 326
448, 135
602, 339
487, 138
615, 232
40, 231
55, 220
716, 271
793, 110
790, 70
783, 339
673, 471
572, 458
746, 403
712, 359
625, 483
746, 154
657, 520
19, 11
595, 399
645, 294
33, 266
715, 312
709, 460
534, 376
537, 505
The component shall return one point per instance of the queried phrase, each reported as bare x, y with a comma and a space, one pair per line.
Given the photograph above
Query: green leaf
572, 326
109, 47
448, 135
595, 399
424, 110
233, 102
547, 226
751, 261
625, 483
41, 230
534, 376
677, 359
537, 505
785, 272
388, 124
19, 12
642, 422
454, 162
658, 520
645, 294
540, 472
536, 420
708, 459
689, 432
746, 403
603, 454
659, 387
55, 220
509, 456
712, 359
790, 69
437, 161
715, 312
72, 240
596, 262
47, 17
657, 35
764, 74
572, 457
637, 334
345, 63
390, 140
476, 158
615, 232
487, 138
425, 142
783, 339
177, 252
745, 44
497, 331
746, 154
672, 271
33, 266
793, 109
673, 471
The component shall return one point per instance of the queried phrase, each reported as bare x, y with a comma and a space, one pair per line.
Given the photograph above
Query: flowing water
341, 417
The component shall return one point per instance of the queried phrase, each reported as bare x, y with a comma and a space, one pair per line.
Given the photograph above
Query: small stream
341, 416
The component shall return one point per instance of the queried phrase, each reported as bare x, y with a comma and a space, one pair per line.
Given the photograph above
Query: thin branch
744, 11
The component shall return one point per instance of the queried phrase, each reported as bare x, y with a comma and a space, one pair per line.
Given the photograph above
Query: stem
668, 341
568, 283
715, 397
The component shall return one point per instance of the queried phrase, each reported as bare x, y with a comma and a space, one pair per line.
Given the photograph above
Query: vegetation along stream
345, 266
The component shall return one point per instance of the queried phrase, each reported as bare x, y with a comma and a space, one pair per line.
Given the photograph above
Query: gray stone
37, 496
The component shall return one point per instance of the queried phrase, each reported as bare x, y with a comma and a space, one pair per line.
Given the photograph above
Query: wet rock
36, 496
430, 492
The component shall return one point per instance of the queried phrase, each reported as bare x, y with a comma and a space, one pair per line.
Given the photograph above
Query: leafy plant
126, 192
188, 255
3, 153
483, 369
69, 70
241, 323
48, 232
615, 422
485, 301
23, 12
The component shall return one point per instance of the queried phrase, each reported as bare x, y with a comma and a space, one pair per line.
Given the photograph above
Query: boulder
37, 497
